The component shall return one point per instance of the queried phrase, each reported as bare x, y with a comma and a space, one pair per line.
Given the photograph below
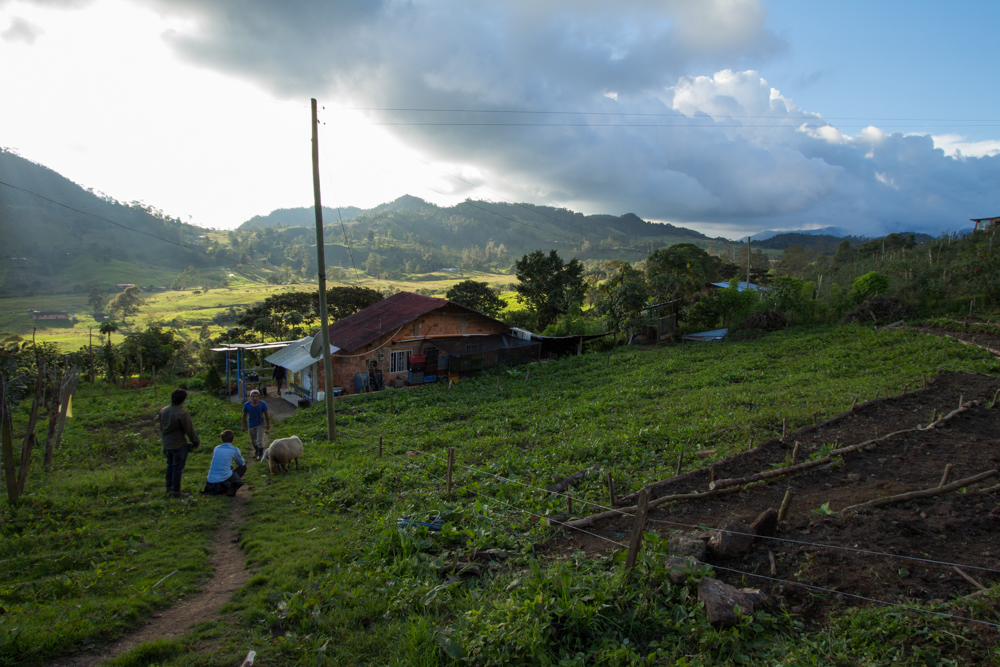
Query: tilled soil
957, 528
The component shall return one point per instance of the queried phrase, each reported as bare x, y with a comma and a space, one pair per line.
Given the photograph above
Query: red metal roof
384, 317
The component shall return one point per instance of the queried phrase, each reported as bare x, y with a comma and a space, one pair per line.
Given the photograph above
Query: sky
726, 116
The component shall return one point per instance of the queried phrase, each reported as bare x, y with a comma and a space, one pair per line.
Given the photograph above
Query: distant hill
51, 248
815, 243
519, 228
306, 216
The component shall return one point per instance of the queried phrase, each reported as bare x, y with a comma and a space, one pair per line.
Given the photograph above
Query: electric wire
350, 251
485, 210
647, 114
100, 217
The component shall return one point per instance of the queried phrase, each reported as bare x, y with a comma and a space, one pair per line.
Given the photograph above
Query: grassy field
195, 307
336, 582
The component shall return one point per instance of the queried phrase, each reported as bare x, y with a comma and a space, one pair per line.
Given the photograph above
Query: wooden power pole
324, 318
748, 262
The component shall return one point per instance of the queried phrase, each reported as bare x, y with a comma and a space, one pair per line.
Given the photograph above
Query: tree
845, 253
679, 271
126, 303
96, 298
373, 265
478, 296
289, 315
869, 285
793, 261
626, 295
154, 347
548, 285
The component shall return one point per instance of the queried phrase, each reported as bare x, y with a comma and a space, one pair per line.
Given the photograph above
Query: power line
99, 217
653, 115
789, 126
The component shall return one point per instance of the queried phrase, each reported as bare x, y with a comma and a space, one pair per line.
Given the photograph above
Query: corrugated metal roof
740, 286
715, 334
385, 317
295, 356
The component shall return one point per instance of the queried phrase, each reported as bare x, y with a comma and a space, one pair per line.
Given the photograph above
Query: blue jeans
176, 458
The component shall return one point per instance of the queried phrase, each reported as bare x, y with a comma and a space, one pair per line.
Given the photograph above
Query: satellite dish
316, 349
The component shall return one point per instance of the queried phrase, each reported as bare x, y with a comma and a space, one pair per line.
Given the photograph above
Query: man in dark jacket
176, 430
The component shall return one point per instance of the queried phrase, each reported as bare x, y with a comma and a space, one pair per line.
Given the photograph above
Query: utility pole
324, 319
748, 262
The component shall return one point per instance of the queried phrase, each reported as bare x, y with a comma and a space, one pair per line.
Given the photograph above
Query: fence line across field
774, 579
854, 595
868, 552
531, 513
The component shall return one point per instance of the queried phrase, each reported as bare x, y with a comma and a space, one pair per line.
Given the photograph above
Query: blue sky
727, 116
891, 60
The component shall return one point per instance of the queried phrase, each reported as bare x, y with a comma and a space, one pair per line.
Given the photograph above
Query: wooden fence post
451, 463
611, 487
785, 504
7, 445
680, 464
380, 446
635, 539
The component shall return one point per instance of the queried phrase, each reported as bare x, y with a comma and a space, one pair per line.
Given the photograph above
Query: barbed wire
773, 579
732, 532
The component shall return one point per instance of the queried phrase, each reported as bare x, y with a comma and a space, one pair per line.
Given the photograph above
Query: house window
474, 347
399, 361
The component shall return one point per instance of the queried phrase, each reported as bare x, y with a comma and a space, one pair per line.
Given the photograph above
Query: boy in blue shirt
256, 411
222, 478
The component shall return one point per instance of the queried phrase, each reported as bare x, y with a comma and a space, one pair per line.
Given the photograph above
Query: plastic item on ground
435, 523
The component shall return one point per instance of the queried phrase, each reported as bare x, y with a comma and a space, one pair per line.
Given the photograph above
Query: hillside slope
48, 247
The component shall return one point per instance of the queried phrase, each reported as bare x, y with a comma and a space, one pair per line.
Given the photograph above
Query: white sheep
282, 452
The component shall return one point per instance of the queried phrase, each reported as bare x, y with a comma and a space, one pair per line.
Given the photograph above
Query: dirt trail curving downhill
229, 574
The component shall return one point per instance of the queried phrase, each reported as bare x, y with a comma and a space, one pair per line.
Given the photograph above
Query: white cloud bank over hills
647, 132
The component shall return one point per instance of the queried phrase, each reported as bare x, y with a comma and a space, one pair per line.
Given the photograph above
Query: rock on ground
721, 601
686, 545
734, 538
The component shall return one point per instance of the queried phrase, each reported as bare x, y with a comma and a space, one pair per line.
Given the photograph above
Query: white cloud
21, 30
956, 145
727, 150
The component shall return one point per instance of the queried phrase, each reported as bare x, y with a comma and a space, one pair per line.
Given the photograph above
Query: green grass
91, 538
194, 308
337, 583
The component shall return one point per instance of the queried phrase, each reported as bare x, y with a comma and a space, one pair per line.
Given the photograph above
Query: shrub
869, 285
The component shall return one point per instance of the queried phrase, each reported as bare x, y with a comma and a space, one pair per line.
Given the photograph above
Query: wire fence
736, 571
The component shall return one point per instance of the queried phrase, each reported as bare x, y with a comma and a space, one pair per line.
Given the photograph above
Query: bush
869, 285
523, 319
213, 379
878, 310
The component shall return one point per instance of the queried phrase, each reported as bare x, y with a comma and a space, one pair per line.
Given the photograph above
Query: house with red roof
409, 339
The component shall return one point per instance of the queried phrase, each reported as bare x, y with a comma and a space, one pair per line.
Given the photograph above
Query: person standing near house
178, 438
256, 416
280, 377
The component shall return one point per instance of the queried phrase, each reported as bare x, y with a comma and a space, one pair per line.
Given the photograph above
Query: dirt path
229, 573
